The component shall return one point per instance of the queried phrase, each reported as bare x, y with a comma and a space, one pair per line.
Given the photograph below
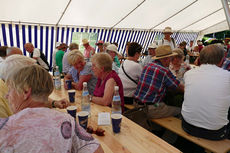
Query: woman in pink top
107, 80
34, 128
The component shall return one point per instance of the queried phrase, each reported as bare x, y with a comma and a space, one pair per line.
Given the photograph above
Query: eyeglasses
98, 132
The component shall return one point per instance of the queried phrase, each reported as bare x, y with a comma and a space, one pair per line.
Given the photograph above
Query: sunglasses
98, 132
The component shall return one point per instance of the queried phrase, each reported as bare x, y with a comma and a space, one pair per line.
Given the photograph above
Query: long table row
132, 138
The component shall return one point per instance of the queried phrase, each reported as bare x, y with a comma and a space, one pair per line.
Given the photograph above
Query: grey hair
12, 63
212, 54
103, 60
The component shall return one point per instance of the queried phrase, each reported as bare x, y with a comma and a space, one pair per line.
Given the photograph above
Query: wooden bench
174, 124
129, 106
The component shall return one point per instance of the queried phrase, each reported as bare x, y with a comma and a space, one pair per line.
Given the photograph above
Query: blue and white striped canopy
45, 37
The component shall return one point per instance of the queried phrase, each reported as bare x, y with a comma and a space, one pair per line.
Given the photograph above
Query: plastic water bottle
57, 78
116, 103
187, 59
85, 102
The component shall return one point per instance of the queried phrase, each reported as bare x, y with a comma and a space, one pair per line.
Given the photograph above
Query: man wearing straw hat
167, 38
155, 79
89, 50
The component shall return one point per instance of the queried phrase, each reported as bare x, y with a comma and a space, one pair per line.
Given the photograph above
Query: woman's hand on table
63, 103
77, 86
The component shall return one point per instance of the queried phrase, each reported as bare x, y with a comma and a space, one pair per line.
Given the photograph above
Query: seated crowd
141, 82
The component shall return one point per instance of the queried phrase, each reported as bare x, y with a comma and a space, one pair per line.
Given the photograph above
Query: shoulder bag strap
127, 74
173, 42
42, 56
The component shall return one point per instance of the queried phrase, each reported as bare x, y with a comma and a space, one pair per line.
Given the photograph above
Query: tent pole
128, 14
173, 15
55, 35
200, 19
63, 12
212, 26
60, 20
20, 22
226, 11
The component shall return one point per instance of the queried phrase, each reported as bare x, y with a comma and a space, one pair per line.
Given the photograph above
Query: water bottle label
116, 98
56, 73
85, 93
57, 83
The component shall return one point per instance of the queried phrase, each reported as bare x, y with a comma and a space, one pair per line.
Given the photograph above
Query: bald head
13, 50
29, 47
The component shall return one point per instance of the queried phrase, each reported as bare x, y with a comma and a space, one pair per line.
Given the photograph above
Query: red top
200, 47
99, 89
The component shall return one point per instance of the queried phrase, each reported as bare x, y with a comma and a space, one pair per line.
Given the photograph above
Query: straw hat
163, 52
85, 41
153, 45
167, 30
106, 44
178, 51
113, 48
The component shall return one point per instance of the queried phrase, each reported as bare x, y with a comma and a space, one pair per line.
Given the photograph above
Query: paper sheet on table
104, 118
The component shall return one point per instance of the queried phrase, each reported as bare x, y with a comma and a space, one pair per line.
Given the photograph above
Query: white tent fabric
181, 15
221, 26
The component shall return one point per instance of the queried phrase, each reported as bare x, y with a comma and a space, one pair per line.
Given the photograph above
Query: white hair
13, 63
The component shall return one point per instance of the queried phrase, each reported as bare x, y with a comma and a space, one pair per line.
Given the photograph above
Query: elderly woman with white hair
177, 65
151, 53
107, 80
81, 71
35, 128
113, 52
10, 65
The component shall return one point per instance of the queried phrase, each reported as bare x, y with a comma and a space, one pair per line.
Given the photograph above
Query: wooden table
132, 138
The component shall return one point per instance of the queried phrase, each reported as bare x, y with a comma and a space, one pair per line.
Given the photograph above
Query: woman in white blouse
130, 72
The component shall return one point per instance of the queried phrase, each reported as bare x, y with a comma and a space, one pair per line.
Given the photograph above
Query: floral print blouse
43, 130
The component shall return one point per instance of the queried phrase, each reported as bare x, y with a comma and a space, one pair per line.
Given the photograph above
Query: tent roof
190, 15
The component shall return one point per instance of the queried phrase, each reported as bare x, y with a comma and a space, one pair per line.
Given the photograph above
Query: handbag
139, 116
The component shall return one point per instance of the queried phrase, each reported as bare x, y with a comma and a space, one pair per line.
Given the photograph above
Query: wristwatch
53, 105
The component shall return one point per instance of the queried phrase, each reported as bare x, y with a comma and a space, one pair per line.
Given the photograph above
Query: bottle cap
116, 88
84, 84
